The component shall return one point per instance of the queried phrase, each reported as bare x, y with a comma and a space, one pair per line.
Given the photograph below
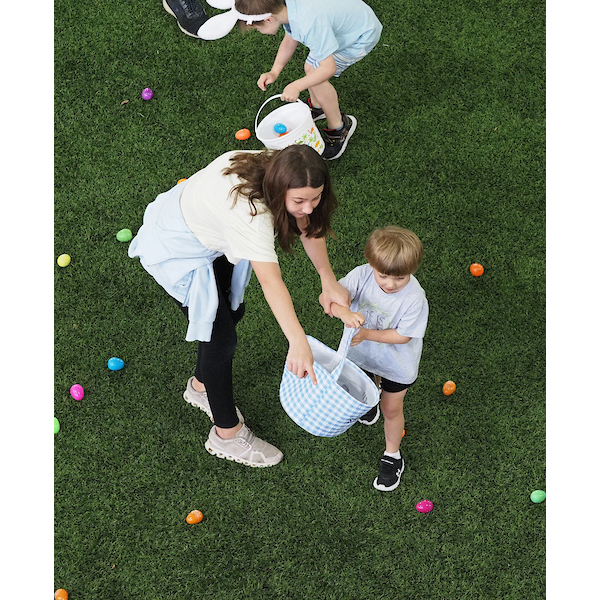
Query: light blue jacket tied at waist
182, 265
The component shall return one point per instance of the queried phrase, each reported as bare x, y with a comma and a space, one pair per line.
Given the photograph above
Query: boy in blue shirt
338, 34
390, 309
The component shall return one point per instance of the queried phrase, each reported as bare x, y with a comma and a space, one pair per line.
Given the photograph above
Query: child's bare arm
286, 50
350, 319
325, 71
383, 336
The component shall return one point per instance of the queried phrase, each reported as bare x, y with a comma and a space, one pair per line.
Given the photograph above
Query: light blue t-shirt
347, 27
405, 311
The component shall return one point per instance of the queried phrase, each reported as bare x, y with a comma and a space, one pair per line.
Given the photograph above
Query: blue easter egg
279, 128
115, 364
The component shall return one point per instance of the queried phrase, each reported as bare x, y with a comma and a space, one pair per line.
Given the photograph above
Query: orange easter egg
182, 180
61, 594
242, 134
194, 517
476, 269
449, 388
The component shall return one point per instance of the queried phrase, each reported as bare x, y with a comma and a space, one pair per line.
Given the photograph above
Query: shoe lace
190, 8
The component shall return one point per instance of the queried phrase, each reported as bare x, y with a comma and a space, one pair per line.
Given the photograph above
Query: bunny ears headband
220, 25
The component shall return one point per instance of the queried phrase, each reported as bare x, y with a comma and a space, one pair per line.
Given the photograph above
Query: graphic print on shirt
376, 317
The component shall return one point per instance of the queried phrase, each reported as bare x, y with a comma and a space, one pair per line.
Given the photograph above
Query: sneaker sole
168, 9
205, 410
319, 118
353, 122
221, 454
392, 487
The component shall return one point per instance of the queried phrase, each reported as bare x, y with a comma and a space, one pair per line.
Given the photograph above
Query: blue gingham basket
343, 394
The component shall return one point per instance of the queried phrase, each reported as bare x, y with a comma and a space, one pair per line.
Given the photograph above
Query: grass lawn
451, 144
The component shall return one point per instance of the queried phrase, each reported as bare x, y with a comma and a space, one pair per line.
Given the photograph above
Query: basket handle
342, 350
264, 104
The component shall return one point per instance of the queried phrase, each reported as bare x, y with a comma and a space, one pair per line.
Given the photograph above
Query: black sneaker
371, 417
337, 140
190, 15
390, 471
316, 113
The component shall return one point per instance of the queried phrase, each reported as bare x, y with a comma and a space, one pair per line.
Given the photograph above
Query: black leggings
214, 365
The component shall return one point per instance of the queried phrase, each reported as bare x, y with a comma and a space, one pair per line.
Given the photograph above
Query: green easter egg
538, 496
124, 235
56, 425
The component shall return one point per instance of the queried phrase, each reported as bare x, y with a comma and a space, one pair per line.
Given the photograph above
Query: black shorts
390, 386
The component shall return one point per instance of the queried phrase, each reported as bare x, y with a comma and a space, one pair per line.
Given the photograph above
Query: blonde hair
394, 251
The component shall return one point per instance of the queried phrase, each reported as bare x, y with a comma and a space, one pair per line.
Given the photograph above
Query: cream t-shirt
206, 205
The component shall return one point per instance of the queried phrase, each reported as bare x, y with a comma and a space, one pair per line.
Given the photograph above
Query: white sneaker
244, 448
200, 400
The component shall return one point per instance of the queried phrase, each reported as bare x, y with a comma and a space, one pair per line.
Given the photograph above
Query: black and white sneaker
390, 471
371, 417
337, 140
190, 15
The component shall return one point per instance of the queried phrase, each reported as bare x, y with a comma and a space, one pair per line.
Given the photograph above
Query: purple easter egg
147, 94
77, 392
425, 506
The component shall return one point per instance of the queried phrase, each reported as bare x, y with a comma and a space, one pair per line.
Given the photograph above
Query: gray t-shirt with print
405, 311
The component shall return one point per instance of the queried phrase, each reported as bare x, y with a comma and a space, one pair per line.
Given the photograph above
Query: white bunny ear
221, 4
218, 26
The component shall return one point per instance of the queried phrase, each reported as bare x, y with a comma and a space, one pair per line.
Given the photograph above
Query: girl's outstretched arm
332, 290
300, 358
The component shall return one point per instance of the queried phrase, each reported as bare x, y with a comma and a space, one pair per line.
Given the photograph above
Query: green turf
450, 143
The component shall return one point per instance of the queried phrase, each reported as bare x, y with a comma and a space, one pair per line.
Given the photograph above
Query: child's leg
392, 408
325, 97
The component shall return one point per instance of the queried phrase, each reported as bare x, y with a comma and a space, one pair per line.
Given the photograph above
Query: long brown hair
268, 175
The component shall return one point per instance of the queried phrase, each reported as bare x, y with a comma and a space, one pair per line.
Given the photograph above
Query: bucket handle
264, 104
342, 350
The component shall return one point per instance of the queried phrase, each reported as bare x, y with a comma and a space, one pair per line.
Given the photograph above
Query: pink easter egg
425, 506
77, 392
147, 93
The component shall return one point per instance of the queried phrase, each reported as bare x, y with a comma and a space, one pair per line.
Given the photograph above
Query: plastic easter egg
115, 364
538, 496
182, 180
77, 391
56, 426
280, 128
63, 260
425, 506
194, 517
147, 93
476, 269
242, 134
449, 388
61, 594
124, 235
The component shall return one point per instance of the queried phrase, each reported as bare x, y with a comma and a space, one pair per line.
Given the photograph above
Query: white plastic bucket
301, 129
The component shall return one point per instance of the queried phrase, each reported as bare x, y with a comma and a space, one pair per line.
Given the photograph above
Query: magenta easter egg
77, 392
147, 94
425, 506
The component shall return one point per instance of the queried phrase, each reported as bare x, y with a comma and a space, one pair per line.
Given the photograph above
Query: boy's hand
353, 319
359, 337
266, 79
290, 92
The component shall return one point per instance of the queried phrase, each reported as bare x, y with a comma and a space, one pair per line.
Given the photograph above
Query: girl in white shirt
201, 240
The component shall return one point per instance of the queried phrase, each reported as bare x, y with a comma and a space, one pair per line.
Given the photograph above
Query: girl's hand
300, 361
334, 292
354, 319
290, 93
359, 337
266, 79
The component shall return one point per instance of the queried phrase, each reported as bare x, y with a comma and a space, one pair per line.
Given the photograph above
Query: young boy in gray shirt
390, 309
